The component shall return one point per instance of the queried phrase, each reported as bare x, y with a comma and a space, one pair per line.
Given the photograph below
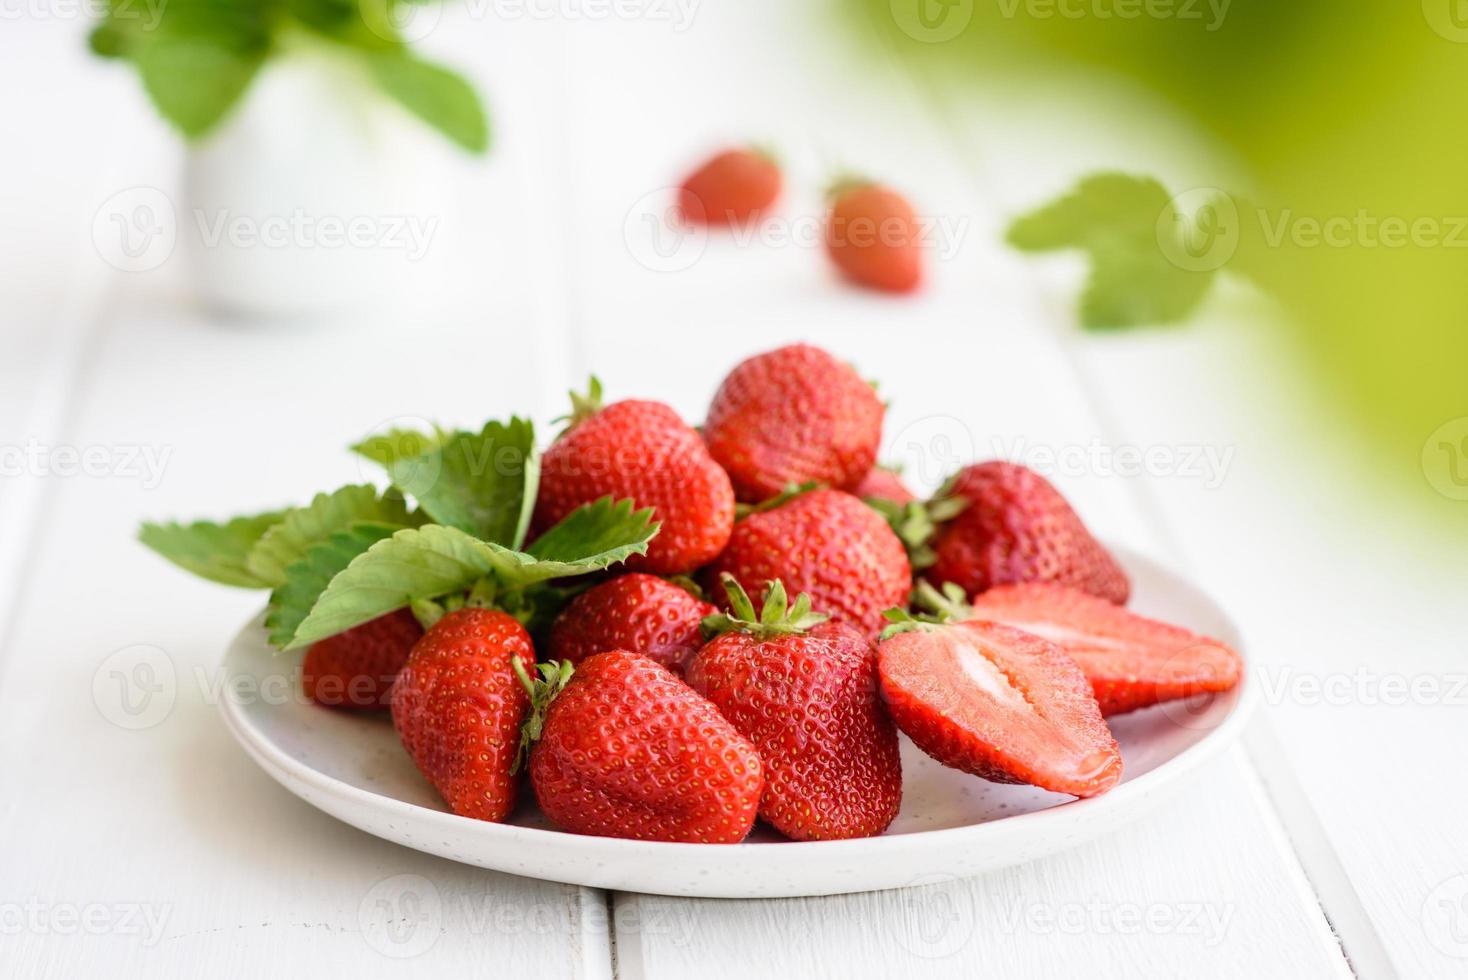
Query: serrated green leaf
483, 483
287, 542
432, 561
596, 535
413, 564
1115, 219
306, 579
195, 80
434, 94
217, 552
395, 445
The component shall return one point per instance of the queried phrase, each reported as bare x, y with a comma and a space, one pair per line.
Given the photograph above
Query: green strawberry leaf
434, 94
194, 80
412, 565
418, 564
287, 542
1128, 288
396, 445
307, 578
217, 552
1115, 219
483, 483
595, 535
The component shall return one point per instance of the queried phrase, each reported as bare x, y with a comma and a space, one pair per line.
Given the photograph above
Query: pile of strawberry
676, 631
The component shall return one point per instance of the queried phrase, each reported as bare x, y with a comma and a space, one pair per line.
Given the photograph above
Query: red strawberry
884, 484
874, 237
732, 187
791, 416
641, 613
1131, 661
999, 703
644, 451
1016, 527
629, 750
458, 707
356, 669
827, 543
804, 691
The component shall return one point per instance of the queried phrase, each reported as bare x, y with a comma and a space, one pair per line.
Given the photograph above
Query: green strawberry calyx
791, 491
777, 617
584, 406
937, 609
844, 183
542, 691
916, 523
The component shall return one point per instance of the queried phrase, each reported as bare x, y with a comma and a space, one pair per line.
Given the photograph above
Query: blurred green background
1336, 111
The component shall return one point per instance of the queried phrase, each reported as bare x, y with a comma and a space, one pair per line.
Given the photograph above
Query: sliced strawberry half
1131, 661
1000, 703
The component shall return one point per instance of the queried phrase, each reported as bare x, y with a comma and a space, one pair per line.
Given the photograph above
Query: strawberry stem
950, 604
542, 691
427, 612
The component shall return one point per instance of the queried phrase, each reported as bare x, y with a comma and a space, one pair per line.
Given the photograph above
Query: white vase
319, 198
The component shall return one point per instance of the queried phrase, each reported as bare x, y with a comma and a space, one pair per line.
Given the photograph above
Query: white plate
951, 824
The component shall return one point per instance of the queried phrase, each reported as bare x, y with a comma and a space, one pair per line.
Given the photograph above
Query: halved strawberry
1131, 661
1000, 703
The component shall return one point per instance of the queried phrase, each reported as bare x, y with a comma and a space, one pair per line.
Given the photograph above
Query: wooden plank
161, 849
1115, 908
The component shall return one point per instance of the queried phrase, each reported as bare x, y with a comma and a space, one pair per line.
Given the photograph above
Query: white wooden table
1331, 843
